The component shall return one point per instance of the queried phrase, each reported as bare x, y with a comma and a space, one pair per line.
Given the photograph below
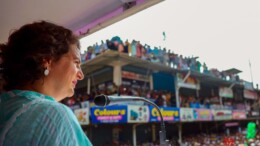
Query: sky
222, 33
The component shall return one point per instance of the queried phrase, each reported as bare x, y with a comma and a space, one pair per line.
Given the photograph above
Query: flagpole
251, 72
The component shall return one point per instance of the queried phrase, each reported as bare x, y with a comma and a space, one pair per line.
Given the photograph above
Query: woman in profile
41, 66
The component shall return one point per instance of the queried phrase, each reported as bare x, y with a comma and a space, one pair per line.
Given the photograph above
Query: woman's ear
47, 63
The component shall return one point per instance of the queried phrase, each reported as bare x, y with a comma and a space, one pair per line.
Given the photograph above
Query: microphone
104, 100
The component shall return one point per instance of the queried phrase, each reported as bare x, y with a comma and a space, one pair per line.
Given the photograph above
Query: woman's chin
71, 93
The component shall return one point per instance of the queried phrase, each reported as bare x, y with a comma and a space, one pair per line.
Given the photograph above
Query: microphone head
101, 100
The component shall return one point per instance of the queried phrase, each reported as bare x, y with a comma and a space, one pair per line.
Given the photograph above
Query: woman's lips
74, 82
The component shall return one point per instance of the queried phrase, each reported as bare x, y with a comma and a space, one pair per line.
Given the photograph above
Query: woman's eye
77, 63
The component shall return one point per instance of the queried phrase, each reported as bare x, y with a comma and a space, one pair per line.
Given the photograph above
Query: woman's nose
80, 75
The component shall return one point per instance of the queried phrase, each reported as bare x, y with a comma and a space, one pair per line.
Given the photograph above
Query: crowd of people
156, 55
160, 97
237, 139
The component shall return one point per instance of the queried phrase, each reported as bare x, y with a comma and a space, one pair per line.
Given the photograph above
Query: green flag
164, 36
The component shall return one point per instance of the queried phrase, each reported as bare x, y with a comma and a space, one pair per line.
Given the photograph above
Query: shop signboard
187, 114
169, 114
221, 114
255, 114
137, 114
108, 85
238, 114
82, 115
109, 114
134, 76
248, 85
136, 84
239, 106
226, 92
202, 114
249, 94
231, 124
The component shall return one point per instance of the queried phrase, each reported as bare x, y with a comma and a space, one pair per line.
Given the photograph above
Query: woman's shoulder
63, 119
51, 107
45, 118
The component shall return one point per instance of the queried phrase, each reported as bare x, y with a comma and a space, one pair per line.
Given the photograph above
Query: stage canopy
82, 16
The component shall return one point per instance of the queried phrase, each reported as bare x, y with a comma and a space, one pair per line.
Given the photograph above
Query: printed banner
82, 115
168, 113
187, 114
84, 104
137, 114
225, 92
249, 94
222, 114
202, 115
236, 114
109, 114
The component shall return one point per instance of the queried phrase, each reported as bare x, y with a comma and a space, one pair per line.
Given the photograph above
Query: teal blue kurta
32, 119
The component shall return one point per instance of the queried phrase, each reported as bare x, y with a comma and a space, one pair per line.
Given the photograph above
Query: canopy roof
232, 71
82, 16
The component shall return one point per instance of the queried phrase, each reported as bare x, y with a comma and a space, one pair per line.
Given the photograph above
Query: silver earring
46, 72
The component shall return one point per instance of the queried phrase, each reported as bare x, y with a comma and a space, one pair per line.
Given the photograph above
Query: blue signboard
109, 114
169, 114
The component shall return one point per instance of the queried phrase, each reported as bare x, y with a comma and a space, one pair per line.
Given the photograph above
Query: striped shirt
29, 118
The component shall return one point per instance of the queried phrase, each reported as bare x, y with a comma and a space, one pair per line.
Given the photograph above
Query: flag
164, 35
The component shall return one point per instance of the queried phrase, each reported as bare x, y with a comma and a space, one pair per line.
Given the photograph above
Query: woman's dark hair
28, 47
